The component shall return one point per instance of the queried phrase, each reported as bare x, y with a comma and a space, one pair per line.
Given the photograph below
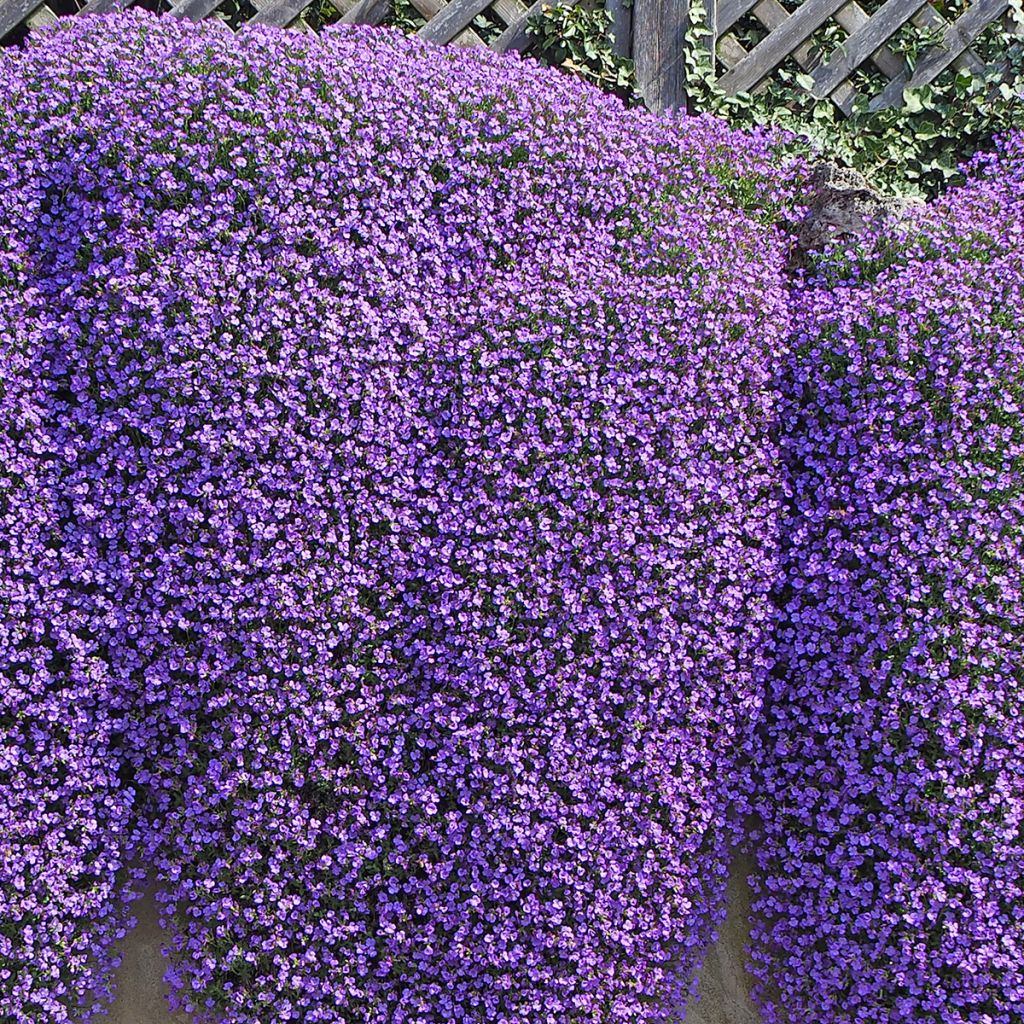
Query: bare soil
723, 995
140, 992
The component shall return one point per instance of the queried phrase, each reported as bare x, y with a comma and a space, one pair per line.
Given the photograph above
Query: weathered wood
709, 39
861, 43
104, 6
731, 51
451, 20
730, 11
659, 47
509, 11
431, 8
515, 36
42, 15
773, 15
930, 18
343, 6
14, 12
279, 13
764, 58
194, 10
622, 25
851, 18
957, 38
367, 12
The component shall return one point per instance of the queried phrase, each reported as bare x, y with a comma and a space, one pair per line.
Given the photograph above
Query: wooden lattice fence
861, 38
785, 33
447, 21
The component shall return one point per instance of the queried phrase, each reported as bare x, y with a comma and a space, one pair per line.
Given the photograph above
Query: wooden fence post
659, 40
622, 26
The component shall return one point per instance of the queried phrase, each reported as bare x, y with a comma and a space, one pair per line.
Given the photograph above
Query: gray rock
841, 204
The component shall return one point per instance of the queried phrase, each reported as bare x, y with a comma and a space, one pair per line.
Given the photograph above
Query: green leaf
912, 101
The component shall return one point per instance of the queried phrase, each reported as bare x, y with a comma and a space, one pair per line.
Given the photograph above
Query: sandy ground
141, 995
723, 996
724, 993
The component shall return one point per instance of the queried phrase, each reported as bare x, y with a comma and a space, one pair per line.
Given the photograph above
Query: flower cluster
892, 770
389, 523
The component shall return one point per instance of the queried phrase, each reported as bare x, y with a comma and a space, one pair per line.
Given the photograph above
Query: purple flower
389, 523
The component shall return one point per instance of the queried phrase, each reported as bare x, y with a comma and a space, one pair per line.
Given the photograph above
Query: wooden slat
861, 43
957, 38
851, 18
707, 41
105, 6
452, 19
279, 13
730, 11
14, 12
510, 11
764, 58
431, 8
773, 15
659, 46
928, 17
343, 6
42, 15
515, 37
730, 50
194, 10
367, 12
622, 24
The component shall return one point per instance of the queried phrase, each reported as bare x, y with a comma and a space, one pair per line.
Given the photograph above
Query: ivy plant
578, 39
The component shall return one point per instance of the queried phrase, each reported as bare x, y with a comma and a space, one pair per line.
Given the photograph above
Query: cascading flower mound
388, 524
893, 773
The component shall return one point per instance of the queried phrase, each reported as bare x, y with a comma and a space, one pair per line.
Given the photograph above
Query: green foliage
406, 17
912, 149
578, 40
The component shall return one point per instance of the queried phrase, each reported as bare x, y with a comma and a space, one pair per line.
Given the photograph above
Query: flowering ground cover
64, 817
390, 517
430, 517
892, 773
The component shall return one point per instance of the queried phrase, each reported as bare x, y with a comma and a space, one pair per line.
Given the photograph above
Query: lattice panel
788, 33
789, 36
447, 21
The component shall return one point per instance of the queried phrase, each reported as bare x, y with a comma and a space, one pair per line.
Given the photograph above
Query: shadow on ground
140, 993
723, 994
